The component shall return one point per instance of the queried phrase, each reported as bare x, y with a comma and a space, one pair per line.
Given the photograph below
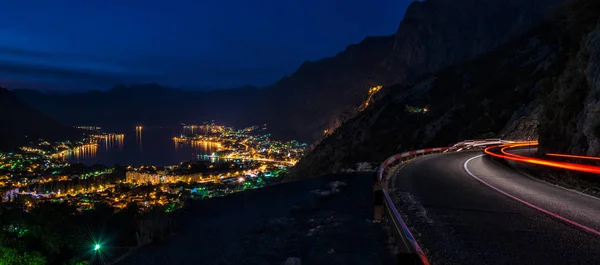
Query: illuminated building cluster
244, 144
89, 128
372, 91
236, 160
413, 110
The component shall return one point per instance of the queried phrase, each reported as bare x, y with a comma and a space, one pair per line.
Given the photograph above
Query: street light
94, 252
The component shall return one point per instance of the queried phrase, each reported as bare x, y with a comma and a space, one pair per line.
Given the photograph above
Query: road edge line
543, 181
533, 206
556, 185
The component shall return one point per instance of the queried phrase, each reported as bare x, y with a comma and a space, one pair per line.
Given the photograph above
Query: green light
96, 247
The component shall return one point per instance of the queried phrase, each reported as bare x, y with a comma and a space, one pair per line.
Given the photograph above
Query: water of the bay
147, 146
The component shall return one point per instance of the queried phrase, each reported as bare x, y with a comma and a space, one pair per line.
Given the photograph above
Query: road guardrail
415, 254
385, 205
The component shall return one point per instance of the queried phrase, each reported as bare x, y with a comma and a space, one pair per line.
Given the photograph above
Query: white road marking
564, 219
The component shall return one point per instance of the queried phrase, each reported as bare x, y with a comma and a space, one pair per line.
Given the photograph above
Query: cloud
62, 60
26, 66
36, 70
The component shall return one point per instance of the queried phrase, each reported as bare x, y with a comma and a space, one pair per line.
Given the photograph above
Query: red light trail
531, 205
556, 164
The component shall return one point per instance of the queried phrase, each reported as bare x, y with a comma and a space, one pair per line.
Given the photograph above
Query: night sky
75, 45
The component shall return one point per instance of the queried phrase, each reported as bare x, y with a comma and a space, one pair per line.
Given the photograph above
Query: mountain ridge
22, 124
321, 95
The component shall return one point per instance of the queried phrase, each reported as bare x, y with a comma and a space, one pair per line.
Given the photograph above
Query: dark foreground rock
325, 220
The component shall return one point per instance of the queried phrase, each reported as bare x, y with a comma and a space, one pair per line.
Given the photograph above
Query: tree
52, 226
14, 257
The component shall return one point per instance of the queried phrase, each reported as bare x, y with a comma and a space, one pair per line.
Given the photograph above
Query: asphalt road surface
465, 208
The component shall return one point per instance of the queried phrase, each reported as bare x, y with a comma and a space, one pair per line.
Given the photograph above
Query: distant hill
20, 124
146, 104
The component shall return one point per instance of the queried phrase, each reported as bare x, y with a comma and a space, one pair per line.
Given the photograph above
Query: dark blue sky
69, 45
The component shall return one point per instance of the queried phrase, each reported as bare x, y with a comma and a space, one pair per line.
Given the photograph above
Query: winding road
468, 209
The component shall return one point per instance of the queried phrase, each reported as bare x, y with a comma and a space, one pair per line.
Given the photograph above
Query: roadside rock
293, 261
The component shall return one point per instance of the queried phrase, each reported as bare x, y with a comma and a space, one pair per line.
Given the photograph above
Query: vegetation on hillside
56, 233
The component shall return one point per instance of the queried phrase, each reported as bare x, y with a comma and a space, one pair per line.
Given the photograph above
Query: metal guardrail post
377, 197
378, 205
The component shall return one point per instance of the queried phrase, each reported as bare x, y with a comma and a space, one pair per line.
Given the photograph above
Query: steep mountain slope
476, 98
303, 105
21, 124
438, 33
542, 85
433, 34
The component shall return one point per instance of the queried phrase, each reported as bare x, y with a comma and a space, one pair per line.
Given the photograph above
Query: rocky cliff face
571, 116
589, 123
438, 33
479, 98
524, 123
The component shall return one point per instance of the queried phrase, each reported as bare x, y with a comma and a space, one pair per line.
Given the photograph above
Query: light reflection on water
142, 146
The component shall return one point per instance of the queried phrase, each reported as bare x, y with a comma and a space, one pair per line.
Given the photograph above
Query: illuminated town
238, 160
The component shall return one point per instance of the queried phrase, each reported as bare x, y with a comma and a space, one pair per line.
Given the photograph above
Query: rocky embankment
570, 120
326, 220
